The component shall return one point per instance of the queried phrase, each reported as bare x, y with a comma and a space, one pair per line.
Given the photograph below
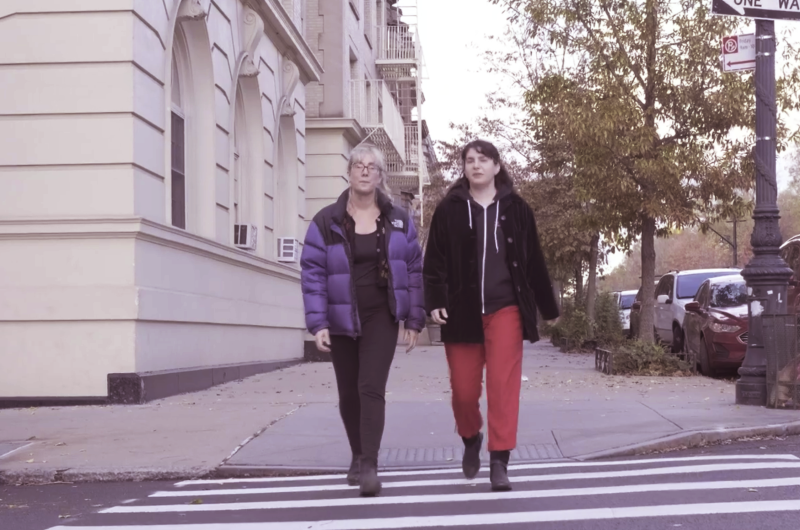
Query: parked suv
673, 292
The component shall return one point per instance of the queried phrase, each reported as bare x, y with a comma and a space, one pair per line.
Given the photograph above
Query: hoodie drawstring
496, 221
469, 208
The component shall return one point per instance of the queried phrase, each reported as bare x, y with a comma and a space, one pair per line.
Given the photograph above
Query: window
665, 287
689, 283
626, 301
702, 295
731, 294
369, 21
178, 173
239, 160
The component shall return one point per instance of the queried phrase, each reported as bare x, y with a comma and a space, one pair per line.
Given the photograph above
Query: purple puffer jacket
328, 289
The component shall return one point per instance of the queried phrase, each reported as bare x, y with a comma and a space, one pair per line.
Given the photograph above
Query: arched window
241, 200
191, 121
178, 172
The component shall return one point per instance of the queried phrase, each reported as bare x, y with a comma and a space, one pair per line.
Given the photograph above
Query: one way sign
766, 9
739, 53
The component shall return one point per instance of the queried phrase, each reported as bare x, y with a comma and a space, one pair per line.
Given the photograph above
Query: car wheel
677, 340
705, 363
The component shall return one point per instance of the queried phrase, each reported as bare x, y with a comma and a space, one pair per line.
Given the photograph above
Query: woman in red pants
485, 276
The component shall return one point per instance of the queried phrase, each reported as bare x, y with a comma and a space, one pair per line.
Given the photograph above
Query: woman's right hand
439, 316
323, 340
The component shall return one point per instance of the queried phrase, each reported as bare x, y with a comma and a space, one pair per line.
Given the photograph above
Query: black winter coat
451, 270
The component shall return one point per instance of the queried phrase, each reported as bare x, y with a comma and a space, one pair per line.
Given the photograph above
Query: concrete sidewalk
288, 422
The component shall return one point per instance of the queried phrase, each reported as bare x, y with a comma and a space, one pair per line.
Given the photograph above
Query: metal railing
374, 108
398, 43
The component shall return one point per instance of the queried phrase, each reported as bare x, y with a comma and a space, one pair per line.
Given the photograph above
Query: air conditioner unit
244, 236
288, 250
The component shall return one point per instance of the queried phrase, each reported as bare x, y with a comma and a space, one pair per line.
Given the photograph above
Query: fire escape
400, 62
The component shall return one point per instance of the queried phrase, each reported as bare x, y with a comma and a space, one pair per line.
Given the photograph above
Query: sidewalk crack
662, 416
259, 433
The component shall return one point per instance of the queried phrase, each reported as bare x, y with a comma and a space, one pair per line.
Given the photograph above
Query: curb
55, 476
690, 439
686, 440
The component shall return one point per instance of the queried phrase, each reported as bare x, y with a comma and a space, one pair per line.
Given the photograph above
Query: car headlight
719, 327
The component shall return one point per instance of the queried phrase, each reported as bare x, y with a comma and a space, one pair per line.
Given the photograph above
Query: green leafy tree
659, 136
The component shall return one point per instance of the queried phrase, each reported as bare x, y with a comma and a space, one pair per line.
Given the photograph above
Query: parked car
674, 291
626, 299
716, 324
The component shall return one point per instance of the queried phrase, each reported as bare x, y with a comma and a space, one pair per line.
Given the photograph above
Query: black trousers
362, 369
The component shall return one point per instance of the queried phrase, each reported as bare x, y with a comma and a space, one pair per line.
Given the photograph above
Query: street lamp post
767, 274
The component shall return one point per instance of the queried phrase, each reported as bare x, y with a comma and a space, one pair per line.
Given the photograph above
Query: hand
323, 340
552, 322
411, 339
439, 316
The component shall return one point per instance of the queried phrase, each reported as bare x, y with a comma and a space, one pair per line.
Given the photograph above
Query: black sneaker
498, 471
353, 472
471, 463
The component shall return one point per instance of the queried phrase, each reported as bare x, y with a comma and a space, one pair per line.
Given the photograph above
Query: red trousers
501, 353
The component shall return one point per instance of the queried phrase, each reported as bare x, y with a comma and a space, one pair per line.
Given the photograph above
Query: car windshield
627, 301
729, 294
689, 284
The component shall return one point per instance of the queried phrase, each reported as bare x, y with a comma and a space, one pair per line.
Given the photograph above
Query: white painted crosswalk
560, 493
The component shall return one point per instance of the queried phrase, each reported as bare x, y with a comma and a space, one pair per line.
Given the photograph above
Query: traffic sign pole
767, 274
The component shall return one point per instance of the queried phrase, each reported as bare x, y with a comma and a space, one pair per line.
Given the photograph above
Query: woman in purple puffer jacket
361, 276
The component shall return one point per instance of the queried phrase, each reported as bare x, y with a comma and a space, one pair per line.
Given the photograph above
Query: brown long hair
488, 149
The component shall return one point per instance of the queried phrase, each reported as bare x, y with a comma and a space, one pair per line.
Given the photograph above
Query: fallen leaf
753, 490
197, 501
30, 461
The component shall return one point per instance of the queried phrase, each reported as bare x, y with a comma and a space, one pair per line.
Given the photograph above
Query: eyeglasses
372, 168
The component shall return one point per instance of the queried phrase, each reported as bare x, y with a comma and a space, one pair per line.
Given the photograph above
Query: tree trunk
558, 291
579, 284
646, 320
591, 295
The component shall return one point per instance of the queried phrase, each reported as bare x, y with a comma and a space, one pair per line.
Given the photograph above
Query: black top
498, 288
365, 259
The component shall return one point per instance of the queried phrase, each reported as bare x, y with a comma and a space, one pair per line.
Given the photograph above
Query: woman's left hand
411, 339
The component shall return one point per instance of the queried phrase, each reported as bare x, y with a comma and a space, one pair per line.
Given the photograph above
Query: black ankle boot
498, 470
353, 473
471, 463
368, 477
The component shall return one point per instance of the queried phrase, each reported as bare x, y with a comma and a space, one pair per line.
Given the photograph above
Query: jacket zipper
387, 226
483, 268
353, 295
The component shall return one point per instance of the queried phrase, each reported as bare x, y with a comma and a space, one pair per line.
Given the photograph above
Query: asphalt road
752, 485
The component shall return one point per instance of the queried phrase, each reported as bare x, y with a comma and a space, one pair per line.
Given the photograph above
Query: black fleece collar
340, 209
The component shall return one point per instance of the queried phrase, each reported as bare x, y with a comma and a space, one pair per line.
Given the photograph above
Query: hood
732, 313
460, 190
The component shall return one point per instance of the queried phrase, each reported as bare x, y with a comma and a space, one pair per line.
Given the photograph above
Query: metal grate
424, 456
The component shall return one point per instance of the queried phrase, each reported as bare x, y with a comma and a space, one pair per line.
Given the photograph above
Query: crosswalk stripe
709, 468
493, 519
459, 497
518, 467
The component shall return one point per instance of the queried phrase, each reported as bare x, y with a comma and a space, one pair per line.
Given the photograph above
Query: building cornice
283, 30
352, 131
144, 230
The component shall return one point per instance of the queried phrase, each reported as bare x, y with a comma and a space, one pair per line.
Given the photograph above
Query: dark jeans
362, 369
